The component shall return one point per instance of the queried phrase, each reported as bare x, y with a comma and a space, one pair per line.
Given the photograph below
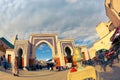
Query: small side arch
68, 52
20, 62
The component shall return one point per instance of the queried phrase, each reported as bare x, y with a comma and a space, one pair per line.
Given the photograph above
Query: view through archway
43, 52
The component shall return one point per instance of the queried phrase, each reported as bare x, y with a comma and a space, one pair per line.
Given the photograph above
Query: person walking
4, 62
15, 70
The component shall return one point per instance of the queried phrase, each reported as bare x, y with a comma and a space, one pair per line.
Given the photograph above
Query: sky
75, 19
43, 52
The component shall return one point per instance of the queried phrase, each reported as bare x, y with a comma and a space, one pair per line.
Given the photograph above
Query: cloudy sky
43, 52
75, 19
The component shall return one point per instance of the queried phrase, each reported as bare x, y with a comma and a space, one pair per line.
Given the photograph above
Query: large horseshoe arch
37, 39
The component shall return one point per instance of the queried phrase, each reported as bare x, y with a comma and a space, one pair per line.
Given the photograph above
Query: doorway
68, 55
20, 60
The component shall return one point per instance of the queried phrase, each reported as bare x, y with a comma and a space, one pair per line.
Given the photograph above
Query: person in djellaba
15, 70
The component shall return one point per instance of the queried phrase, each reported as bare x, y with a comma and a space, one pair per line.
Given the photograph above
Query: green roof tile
7, 42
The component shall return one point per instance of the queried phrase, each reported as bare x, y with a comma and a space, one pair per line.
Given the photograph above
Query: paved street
111, 74
35, 75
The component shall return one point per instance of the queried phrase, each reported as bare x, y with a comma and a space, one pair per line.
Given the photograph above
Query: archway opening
43, 55
20, 53
68, 54
43, 52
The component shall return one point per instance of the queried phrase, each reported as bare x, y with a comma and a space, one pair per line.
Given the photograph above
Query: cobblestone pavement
35, 75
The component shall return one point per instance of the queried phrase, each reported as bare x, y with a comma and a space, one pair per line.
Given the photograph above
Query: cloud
71, 1
68, 18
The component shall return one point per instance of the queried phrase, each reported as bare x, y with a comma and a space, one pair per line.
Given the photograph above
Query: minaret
14, 39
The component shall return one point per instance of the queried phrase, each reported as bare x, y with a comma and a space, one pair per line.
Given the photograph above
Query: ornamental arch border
49, 39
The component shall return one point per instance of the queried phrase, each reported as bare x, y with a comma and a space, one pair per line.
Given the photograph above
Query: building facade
104, 34
25, 50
